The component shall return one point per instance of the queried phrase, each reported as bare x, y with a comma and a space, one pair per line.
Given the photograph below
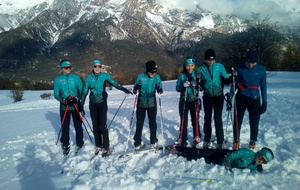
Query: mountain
124, 34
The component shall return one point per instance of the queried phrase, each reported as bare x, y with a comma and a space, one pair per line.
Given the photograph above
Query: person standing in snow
95, 83
213, 79
146, 84
187, 85
242, 158
67, 90
251, 89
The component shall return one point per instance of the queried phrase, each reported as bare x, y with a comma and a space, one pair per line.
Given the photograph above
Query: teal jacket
242, 158
213, 79
96, 84
192, 92
147, 98
65, 85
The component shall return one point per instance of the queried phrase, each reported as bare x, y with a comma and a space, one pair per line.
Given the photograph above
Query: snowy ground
29, 158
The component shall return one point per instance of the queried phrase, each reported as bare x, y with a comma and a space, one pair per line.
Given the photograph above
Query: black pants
65, 135
98, 113
213, 103
190, 106
211, 156
140, 115
252, 105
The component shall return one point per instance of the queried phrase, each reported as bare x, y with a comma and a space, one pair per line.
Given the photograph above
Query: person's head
189, 65
209, 57
251, 58
96, 65
151, 68
66, 67
264, 156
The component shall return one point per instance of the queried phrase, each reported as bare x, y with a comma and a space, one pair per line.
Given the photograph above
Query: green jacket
65, 85
147, 98
242, 158
192, 92
212, 79
96, 84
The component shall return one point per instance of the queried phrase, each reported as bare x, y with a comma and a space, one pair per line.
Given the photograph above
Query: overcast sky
285, 12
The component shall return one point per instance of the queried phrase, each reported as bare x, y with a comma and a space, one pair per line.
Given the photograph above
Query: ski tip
123, 156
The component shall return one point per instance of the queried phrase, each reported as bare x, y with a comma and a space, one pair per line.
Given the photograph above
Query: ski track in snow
29, 157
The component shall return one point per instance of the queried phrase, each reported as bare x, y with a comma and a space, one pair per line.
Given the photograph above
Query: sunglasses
68, 67
97, 66
153, 72
263, 159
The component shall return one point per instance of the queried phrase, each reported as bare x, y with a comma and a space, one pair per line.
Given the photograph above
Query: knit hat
266, 152
189, 61
210, 54
96, 62
65, 63
151, 66
252, 56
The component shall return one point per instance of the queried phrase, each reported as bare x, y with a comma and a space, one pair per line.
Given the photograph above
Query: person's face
190, 68
67, 70
250, 64
151, 73
97, 68
209, 62
261, 160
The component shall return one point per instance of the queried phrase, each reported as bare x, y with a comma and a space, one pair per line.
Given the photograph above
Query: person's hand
71, 101
137, 87
194, 83
263, 108
159, 89
186, 84
128, 91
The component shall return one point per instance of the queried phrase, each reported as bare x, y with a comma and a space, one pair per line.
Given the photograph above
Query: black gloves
137, 88
263, 108
159, 89
228, 101
127, 91
70, 101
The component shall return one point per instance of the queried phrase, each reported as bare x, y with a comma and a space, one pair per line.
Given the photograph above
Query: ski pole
131, 120
117, 111
62, 122
76, 108
235, 108
161, 124
182, 118
88, 123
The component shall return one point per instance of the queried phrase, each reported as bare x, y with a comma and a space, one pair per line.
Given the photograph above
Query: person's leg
218, 110
152, 112
140, 116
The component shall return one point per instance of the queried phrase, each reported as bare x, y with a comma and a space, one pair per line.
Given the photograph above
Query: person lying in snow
242, 158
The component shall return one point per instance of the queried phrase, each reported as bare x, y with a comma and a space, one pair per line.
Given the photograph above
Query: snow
29, 158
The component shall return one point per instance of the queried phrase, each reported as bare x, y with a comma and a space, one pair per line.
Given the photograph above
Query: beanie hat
189, 61
65, 63
96, 61
266, 152
151, 66
210, 54
252, 56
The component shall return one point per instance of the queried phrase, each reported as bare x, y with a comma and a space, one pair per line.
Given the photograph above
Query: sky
285, 12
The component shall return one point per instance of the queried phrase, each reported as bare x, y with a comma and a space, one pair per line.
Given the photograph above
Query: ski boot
252, 144
236, 145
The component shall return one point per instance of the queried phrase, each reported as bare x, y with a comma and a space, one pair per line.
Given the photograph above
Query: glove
127, 91
228, 101
137, 88
263, 108
159, 89
82, 112
234, 73
64, 102
71, 101
186, 84
194, 83
227, 164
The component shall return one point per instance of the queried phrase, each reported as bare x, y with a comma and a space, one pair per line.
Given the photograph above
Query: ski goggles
97, 66
67, 67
